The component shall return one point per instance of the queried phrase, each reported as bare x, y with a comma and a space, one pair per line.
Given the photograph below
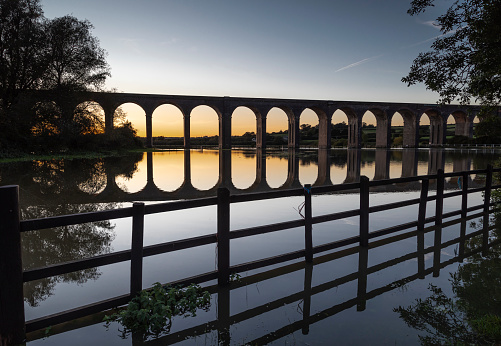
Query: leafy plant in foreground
150, 313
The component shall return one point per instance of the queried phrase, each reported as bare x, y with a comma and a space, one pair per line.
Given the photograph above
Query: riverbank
45, 156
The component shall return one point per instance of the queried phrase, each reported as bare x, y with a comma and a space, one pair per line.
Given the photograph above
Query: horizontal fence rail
12, 322
310, 291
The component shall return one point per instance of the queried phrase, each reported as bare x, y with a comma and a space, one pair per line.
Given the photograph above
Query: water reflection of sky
169, 169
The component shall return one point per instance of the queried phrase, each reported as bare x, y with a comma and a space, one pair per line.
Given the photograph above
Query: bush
398, 141
151, 312
123, 137
340, 143
458, 140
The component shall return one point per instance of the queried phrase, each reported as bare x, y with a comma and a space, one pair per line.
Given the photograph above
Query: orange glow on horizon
168, 120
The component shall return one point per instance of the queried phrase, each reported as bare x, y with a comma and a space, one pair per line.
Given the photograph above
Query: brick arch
383, 126
254, 119
411, 128
292, 125
462, 121
438, 126
223, 107
354, 126
324, 128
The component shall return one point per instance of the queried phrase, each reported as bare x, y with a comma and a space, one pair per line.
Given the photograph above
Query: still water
299, 304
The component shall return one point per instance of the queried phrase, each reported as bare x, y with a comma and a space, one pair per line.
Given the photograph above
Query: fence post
425, 184
308, 241
223, 316
223, 236
439, 209
464, 196
488, 185
308, 273
364, 211
363, 262
421, 254
439, 206
12, 324
136, 260
487, 202
464, 213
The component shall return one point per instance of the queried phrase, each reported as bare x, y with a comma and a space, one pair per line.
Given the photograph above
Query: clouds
131, 44
421, 42
366, 60
170, 42
432, 24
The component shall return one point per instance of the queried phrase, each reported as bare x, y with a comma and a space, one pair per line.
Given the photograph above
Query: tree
22, 54
59, 56
465, 61
76, 61
22, 64
473, 315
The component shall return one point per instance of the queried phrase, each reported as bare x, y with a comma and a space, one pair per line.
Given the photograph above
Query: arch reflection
186, 174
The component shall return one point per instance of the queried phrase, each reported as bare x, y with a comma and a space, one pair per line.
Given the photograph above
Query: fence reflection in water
225, 320
224, 235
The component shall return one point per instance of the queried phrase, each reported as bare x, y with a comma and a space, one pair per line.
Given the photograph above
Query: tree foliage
465, 60
56, 183
22, 48
76, 61
59, 56
473, 315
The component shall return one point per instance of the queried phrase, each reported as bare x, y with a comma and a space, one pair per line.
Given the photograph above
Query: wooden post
439, 209
223, 236
437, 249
364, 211
308, 240
363, 261
420, 255
487, 201
488, 185
425, 183
136, 261
223, 316
464, 213
439, 206
12, 328
464, 195
308, 273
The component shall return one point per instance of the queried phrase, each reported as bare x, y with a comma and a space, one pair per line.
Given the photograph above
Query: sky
356, 50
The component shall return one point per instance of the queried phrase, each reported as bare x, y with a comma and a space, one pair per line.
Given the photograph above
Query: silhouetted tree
77, 62
473, 315
22, 48
22, 64
51, 188
59, 56
465, 61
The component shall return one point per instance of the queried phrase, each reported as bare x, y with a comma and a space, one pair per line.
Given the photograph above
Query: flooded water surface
350, 295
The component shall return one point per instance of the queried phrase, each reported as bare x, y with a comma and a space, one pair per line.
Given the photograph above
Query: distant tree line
59, 57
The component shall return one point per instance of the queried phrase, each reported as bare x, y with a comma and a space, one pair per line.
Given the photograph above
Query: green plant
235, 278
489, 326
150, 313
47, 332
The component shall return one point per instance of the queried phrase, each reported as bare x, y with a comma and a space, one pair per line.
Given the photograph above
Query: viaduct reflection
101, 184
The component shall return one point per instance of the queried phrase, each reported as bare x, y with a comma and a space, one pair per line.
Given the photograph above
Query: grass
67, 155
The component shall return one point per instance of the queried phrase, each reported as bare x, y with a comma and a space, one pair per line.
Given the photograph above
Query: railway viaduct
354, 110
